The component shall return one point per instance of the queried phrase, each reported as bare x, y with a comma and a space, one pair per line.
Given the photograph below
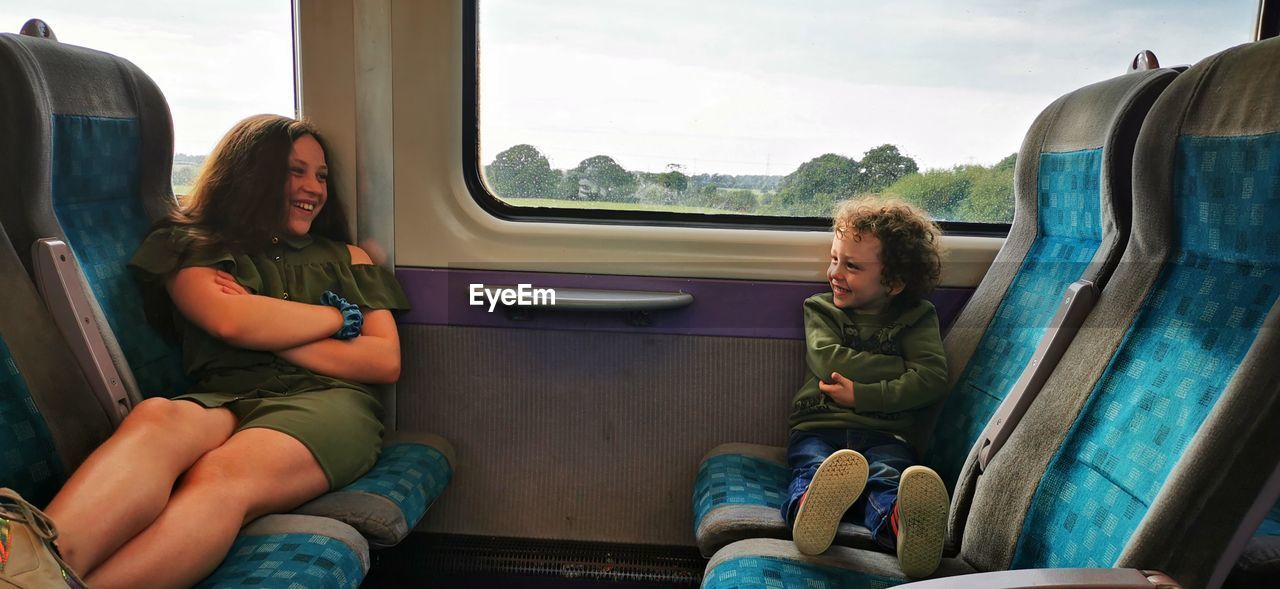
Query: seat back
1071, 223
1152, 440
88, 162
48, 425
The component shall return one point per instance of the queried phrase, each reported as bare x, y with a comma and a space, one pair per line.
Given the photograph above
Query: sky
707, 86
216, 62
760, 86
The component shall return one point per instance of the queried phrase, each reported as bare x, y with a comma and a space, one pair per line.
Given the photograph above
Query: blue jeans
887, 456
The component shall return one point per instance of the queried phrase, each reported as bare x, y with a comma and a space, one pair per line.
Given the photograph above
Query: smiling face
307, 187
855, 274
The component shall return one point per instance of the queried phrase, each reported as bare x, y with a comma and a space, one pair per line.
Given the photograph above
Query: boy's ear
895, 287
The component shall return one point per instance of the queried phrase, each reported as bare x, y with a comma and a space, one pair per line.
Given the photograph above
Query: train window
216, 62
752, 110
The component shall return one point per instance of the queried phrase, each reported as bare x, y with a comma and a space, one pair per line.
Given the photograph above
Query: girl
283, 326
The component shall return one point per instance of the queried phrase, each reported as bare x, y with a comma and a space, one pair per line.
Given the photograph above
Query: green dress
338, 420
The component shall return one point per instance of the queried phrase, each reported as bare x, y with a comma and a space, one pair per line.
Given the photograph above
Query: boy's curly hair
910, 242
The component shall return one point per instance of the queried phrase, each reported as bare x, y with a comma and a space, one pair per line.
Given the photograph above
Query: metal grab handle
580, 299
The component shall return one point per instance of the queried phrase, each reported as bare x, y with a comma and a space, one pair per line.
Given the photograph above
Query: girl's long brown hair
238, 203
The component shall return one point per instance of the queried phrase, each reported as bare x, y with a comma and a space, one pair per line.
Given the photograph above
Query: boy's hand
840, 389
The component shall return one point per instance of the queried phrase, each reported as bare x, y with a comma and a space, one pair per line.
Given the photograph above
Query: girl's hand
228, 283
292, 355
840, 390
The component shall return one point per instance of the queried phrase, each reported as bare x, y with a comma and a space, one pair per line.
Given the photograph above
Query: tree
520, 172
654, 194
601, 178
184, 174
742, 201
1007, 163
939, 192
570, 185
990, 198
884, 165
814, 186
962, 193
673, 180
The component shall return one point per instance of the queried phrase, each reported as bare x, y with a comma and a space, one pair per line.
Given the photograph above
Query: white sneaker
922, 521
835, 486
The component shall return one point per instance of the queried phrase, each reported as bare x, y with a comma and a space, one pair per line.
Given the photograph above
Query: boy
875, 359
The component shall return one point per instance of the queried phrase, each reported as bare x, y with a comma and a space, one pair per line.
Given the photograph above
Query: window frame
494, 205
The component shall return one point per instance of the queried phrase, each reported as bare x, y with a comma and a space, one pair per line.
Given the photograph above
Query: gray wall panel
587, 436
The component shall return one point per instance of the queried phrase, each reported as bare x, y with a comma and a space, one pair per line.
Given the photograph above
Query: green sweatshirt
894, 358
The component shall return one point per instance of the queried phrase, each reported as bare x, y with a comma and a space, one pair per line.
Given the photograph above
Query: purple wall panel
738, 308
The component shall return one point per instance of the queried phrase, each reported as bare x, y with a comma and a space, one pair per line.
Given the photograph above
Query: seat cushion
767, 563
739, 494
388, 501
293, 551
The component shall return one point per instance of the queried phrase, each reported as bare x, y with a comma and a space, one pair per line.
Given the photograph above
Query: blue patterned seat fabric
411, 477
29, 463
1271, 525
764, 572
737, 479
1069, 233
1194, 329
287, 561
95, 197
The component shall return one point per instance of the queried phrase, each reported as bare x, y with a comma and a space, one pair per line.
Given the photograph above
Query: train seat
49, 425
46, 426
1072, 205
291, 550
87, 170
1152, 444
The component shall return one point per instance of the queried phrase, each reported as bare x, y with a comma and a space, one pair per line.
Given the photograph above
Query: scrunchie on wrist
352, 318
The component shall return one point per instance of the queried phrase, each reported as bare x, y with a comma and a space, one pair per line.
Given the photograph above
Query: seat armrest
1075, 306
1054, 579
61, 285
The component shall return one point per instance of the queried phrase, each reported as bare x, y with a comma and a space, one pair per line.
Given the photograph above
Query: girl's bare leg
122, 487
256, 472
